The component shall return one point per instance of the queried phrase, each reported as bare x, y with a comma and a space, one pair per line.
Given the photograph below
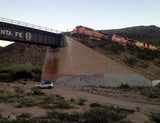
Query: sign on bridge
18, 33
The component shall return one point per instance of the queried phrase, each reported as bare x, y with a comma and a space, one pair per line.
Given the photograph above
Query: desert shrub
155, 117
117, 48
138, 108
6, 77
157, 63
10, 74
102, 86
25, 115
36, 74
36, 78
144, 56
37, 91
18, 90
147, 54
151, 92
72, 100
144, 65
63, 104
95, 105
125, 87
37, 71
131, 49
102, 115
64, 116
3, 97
27, 102
81, 101
49, 98
23, 74
131, 60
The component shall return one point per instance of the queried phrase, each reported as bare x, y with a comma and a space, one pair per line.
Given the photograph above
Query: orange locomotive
81, 30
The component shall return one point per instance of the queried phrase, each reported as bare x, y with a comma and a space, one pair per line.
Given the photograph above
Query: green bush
102, 115
37, 74
18, 90
81, 101
23, 74
72, 100
157, 63
147, 54
125, 87
117, 48
3, 97
155, 117
6, 77
151, 92
37, 71
14, 73
27, 102
25, 115
144, 65
63, 104
49, 98
37, 91
131, 60
64, 116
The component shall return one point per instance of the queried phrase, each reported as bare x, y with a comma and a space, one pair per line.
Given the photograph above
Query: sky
64, 15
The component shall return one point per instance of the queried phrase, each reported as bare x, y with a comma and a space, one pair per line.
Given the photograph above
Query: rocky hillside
19, 54
148, 34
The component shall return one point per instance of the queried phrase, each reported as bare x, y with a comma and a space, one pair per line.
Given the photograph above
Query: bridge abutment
77, 64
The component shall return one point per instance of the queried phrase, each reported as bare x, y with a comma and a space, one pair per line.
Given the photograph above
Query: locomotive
90, 33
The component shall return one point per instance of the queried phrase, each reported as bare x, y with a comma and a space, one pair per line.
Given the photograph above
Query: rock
12, 117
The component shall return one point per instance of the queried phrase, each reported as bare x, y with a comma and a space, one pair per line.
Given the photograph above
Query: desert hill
18, 54
148, 34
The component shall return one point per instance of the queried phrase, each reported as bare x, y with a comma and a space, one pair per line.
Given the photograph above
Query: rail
20, 23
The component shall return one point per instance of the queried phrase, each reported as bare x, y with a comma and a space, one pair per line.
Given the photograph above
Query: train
90, 33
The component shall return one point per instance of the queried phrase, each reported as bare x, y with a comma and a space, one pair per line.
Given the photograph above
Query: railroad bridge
12, 30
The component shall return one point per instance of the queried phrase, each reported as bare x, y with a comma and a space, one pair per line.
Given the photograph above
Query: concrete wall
111, 80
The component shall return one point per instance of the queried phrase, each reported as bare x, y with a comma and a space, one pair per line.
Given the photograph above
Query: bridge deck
16, 31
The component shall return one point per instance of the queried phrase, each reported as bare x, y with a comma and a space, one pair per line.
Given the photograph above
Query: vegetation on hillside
148, 34
21, 61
